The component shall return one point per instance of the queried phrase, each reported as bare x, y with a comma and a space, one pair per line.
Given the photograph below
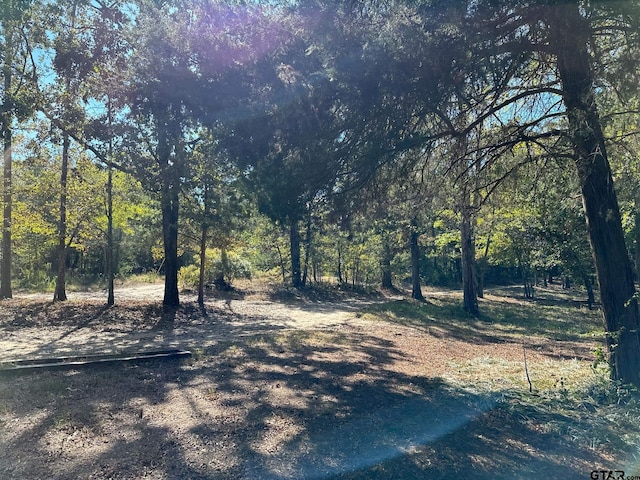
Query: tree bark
109, 257
307, 250
5, 267
283, 269
169, 206
294, 239
416, 291
109, 270
482, 267
636, 232
589, 287
385, 264
468, 256
225, 271
7, 130
613, 266
203, 260
60, 293
170, 215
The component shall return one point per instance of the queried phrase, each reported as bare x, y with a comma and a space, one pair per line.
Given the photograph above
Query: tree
81, 43
107, 35
68, 64
17, 103
186, 71
215, 204
553, 40
571, 36
289, 149
528, 61
161, 96
37, 190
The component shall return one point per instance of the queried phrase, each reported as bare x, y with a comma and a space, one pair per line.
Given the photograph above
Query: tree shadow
88, 328
323, 294
501, 321
291, 405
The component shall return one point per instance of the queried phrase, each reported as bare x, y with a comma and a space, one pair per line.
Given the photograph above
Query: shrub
215, 270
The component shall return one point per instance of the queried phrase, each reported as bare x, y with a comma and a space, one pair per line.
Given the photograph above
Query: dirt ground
278, 387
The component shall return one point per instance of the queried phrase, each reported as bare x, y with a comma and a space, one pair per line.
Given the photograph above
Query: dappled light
383, 394
319, 240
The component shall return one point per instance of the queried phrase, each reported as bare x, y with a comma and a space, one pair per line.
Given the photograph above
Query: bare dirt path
98, 332
285, 387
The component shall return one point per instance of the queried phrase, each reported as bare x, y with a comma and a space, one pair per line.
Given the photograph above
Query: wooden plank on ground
85, 360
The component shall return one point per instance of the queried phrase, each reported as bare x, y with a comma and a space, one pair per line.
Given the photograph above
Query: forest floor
324, 384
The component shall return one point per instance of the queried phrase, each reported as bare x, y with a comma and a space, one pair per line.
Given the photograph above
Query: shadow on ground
296, 405
502, 319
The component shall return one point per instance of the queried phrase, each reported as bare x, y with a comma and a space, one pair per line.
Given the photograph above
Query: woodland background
453, 143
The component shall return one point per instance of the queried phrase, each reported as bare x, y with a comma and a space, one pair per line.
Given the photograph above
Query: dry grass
402, 390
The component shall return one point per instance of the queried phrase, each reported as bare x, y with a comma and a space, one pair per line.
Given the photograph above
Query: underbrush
573, 398
559, 318
592, 410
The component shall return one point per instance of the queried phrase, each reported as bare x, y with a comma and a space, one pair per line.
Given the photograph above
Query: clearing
322, 385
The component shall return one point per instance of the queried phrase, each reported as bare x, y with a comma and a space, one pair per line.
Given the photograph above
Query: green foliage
266, 246
555, 316
600, 389
600, 357
217, 266
36, 204
189, 276
297, 126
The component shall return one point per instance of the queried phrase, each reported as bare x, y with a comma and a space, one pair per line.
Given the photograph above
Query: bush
236, 267
215, 270
189, 276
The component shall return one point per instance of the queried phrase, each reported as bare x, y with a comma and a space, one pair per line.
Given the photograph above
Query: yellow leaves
36, 210
27, 220
157, 252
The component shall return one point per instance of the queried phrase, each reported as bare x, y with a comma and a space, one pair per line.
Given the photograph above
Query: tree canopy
424, 141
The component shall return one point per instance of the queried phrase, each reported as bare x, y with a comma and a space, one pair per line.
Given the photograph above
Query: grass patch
571, 398
591, 409
337, 389
559, 319
567, 321
296, 339
293, 340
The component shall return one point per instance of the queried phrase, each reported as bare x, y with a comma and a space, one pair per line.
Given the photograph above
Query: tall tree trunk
110, 270
589, 287
354, 276
226, 268
170, 215
636, 231
416, 291
294, 242
283, 268
385, 264
604, 225
169, 206
468, 255
60, 293
482, 267
7, 130
314, 265
203, 260
307, 250
109, 267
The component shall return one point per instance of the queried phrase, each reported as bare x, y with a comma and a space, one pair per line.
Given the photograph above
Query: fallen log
87, 360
